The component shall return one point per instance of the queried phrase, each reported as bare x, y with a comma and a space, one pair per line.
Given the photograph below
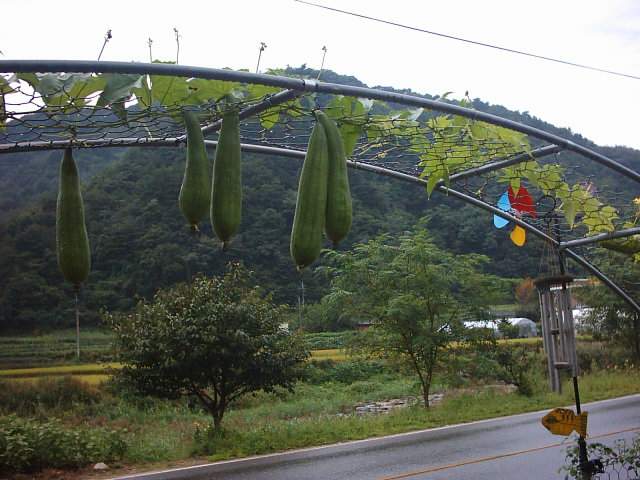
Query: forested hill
140, 241
24, 177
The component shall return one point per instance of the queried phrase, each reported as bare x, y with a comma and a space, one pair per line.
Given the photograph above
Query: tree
611, 317
507, 330
416, 296
527, 297
216, 339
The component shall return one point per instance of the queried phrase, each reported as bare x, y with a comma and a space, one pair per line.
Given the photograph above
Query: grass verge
259, 435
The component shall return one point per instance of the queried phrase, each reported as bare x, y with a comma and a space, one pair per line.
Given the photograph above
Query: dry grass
336, 354
93, 379
86, 369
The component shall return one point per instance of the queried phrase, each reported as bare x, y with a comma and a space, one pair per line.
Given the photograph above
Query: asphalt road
515, 447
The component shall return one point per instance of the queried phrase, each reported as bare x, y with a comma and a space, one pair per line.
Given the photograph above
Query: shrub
621, 460
328, 340
215, 339
600, 355
28, 445
515, 366
507, 330
349, 371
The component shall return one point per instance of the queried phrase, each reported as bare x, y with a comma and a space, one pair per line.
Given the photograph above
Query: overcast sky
602, 33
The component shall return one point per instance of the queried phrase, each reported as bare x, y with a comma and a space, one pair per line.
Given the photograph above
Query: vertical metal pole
544, 293
77, 290
555, 350
585, 470
300, 300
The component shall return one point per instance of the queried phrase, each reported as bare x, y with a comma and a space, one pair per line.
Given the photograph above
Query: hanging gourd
72, 241
195, 192
339, 204
311, 204
226, 186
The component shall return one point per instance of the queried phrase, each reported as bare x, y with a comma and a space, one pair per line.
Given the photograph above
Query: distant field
54, 349
94, 379
86, 369
97, 372
49, 350
329, 354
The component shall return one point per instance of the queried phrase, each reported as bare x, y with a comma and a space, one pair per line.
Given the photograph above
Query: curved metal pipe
601, 237
603, 278
81, 66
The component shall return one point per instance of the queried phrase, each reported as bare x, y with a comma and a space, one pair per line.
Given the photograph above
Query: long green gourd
308, 221
72, 241
195, 192
226, 187
339, 204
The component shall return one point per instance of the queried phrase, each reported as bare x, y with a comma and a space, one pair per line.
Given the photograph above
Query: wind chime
558, 332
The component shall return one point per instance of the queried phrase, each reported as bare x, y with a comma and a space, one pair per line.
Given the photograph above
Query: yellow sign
562, 421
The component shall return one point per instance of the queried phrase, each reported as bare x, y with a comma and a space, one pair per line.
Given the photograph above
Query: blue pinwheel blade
503, 202
499, 222
505, 206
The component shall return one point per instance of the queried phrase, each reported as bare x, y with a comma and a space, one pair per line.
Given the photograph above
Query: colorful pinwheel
518, 203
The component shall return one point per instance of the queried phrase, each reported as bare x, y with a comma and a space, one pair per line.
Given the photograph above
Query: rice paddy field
54, 349
54, 354
29, 358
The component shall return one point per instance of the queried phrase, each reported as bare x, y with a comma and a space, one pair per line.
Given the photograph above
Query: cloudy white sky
606, 34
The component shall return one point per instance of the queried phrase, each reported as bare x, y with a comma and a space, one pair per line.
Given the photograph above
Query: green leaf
444, 95
350, 135
86, 87
255, 91
341, 107
5, 88
434, 179
478, 130
118, 87
202, 90
570, 210
270, 118
120, 110
143, 94
31, 78
168, 90
62, 89
440, 123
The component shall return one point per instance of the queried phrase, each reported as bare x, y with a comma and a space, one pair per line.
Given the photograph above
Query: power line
473, 42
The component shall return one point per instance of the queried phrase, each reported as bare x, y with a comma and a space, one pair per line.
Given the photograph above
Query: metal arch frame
306, 85
295, 87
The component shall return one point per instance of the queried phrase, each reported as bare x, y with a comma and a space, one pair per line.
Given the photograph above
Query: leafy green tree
216, 339
611, 317
526, 297
507, 330
416, 296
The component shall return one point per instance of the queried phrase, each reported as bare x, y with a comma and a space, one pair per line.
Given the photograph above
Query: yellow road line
495, 457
